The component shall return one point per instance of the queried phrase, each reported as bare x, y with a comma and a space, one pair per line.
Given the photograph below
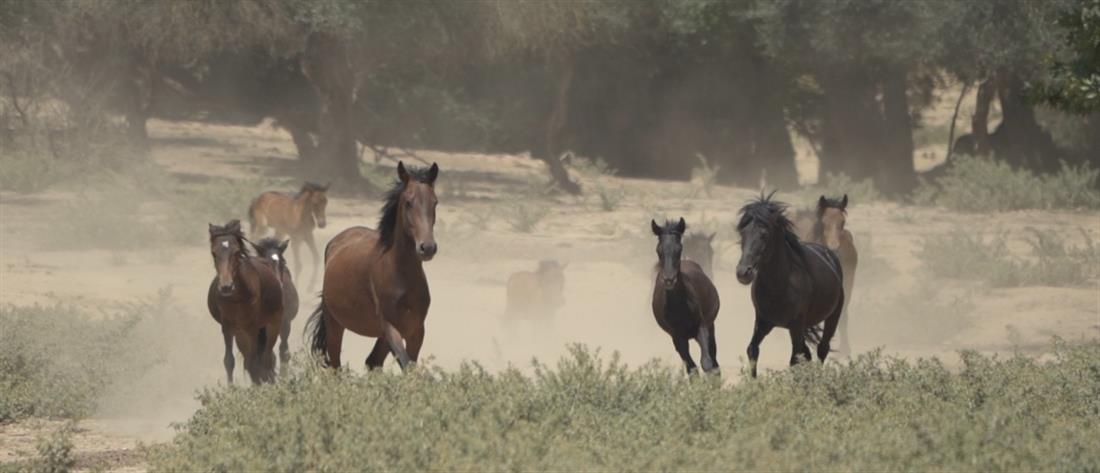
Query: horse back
274, 209
826, 277
351, 237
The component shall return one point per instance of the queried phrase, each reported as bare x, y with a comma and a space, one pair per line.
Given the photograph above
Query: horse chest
676, 313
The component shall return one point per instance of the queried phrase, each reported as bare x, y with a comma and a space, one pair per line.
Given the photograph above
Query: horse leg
705, 338
681, 345
759, 331
294, 242
799, 351
397, 344
284, 347
830, 330
845, 347
378, 354
316, 259
228, 361
267, 351
413, 344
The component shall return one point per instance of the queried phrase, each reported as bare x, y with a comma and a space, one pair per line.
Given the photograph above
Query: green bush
56, 361
973, 184
963, 254
586, 414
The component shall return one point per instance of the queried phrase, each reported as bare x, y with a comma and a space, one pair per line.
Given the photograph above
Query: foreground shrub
872, 414
973, 184
56, 361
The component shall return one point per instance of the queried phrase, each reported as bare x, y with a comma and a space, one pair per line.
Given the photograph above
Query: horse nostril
428, 248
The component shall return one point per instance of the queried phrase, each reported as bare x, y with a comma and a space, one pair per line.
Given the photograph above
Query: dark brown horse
699, 247
272, 251
827, 228
246, 298
374, 279
292, 216
685, 302
795, 285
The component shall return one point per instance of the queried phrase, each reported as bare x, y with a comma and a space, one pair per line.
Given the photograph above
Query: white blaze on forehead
274, 257
225, 244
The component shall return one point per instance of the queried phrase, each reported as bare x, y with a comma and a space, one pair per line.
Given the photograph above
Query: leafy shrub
704, 176
56, 361
523, 216
586, 414
610, 197
591, 167
965, 255
55, 452
975, 184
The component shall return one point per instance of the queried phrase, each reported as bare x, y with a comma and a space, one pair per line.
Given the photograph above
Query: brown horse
272, 251
246, 298
374, 281
537, 293
795, 285
827, 228
699, 247
294, 216
685, 302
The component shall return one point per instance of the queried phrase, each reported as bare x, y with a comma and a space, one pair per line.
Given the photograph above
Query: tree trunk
138, 100
325, 64
551, 149
895, 173
979, 123
851, 125
1019, 139
772, 155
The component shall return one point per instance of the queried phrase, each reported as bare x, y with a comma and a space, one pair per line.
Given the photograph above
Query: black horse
271, 250
685, 302
795, 285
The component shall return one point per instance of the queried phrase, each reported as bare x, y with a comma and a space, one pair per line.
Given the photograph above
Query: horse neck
302, 212
403, 252
817, 233
245, 276
776, 269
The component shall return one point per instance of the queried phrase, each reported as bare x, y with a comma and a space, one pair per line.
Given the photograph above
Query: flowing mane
387, 223
772, 214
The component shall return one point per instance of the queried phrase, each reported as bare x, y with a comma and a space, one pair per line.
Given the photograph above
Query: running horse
827, 228
685, 302
246, 299
795, 285
272, 252
374, 282
292, 216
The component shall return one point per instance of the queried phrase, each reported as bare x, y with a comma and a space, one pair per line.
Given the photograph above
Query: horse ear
233, 225
282, 246
821, 202
681, 226
656, 228
212, 228
844, 202
433, 172
402, 173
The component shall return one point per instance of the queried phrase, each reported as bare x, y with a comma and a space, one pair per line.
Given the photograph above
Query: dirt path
482, 197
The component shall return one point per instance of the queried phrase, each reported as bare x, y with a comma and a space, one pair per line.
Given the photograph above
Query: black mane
387, 223
772, 214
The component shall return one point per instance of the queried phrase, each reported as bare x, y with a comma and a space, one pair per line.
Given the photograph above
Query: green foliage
983, 185
1074, 81
57, 361
704, 176
588, 414
524, 215
610, 197
55, 452
965, 255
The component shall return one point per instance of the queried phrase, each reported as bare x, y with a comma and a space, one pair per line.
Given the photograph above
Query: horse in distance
292, 216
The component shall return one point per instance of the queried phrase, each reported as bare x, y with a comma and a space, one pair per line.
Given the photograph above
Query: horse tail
316, 332
814, 333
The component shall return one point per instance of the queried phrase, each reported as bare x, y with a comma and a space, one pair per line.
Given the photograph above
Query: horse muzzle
426, 251
225, 289
746, 275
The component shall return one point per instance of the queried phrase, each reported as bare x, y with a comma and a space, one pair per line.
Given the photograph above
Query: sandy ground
608, 280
